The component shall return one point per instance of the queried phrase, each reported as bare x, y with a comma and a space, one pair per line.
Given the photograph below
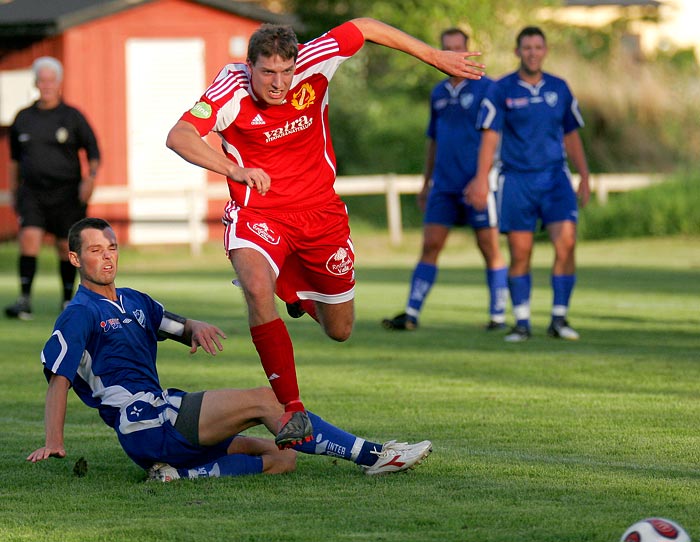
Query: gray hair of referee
48, 62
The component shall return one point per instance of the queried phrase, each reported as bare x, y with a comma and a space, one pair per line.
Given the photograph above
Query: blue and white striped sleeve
489, 117
63, 351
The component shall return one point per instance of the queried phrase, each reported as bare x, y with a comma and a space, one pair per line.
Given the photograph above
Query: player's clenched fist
254, 178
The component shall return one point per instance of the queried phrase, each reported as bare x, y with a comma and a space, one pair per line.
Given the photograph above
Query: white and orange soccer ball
655, 530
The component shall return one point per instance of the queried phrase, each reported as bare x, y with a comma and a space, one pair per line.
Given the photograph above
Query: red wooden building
132, 67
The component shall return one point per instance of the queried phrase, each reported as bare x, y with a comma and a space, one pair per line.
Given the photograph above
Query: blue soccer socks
520, 288
497, 282
424, 276
327, 440
228, 465
562, 287
330, 440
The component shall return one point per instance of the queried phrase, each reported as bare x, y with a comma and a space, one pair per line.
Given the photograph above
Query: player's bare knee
570, 245
339, 331
266, 401
564, 250
257, 292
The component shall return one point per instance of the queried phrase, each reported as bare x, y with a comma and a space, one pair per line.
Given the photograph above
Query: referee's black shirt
45, 144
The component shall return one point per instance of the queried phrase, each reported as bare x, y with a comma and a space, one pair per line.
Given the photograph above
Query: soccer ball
655, 530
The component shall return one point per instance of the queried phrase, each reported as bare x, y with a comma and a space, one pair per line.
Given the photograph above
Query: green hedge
669, 208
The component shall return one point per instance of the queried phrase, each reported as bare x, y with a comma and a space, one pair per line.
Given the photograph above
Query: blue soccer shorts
524, 198
147, 433
449, 209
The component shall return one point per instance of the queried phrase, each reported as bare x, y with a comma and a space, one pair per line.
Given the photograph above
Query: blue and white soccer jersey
453, 114
107, 349
534, 180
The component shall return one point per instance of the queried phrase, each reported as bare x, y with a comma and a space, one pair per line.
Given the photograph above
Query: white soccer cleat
518, 334
162, 472
398, 457
561, 329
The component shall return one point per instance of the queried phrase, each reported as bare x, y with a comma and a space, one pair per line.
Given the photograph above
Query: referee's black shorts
54, 211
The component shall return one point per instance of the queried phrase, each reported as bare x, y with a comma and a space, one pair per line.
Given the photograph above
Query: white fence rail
392, 186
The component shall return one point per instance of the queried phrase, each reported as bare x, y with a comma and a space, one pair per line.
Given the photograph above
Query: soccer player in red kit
287, 231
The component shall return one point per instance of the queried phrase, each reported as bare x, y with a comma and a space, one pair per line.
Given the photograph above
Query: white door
164, 78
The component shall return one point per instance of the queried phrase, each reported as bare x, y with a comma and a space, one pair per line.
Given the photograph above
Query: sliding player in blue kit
450, 163
536, 118
104, 346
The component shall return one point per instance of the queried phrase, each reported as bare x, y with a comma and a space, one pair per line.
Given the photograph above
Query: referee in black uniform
49, 190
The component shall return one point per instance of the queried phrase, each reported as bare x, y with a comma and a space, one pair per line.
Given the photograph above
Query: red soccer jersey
290, 141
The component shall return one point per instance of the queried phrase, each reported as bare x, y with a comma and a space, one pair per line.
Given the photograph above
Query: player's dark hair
453, 31
74, 239
529, 31
271, 40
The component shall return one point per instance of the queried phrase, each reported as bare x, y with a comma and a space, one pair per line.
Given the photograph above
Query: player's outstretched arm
449, 62
193, 333
54, 420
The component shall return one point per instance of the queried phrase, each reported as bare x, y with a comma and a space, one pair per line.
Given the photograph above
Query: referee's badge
61, 135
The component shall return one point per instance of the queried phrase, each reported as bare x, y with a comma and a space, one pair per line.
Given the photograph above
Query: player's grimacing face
271, 78
531, 52
98, 257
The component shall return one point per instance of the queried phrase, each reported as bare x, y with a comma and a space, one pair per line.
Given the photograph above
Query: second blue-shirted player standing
536, 118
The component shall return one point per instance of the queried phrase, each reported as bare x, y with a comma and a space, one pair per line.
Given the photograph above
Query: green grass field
543, 441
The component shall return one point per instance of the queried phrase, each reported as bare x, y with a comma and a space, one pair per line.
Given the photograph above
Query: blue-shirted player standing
450, 163
104, 346
536, 118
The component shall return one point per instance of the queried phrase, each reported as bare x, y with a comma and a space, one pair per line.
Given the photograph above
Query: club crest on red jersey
340, 262
265, 232
304, 97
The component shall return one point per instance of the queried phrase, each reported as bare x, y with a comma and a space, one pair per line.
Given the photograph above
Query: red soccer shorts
310, 250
